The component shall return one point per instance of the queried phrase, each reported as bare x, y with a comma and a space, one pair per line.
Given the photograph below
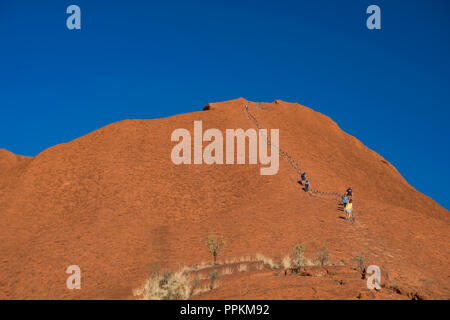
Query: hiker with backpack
306, 185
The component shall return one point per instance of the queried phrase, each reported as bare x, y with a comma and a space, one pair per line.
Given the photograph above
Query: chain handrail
294, 164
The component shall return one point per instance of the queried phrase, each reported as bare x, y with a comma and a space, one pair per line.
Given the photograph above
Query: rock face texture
113, 203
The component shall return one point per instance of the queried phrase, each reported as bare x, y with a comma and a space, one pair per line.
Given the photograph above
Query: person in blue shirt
303, 176
344, 200
306, 185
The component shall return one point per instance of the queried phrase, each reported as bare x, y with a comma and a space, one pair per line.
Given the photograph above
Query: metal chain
292, 162
283, 153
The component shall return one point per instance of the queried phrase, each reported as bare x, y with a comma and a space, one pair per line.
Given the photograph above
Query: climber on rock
349, 210
344, 200
302, 178
349, 192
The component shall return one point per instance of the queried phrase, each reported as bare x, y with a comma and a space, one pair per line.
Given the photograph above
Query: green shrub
360, 264
215, 246
322, 256
298, 258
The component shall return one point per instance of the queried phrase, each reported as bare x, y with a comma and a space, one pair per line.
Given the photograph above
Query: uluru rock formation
113, 203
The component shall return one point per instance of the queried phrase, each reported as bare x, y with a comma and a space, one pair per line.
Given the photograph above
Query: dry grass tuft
267, 261
246, 259
187, 281
170, 286
299, 259
226, 271
242, 267
201, 266
286, 262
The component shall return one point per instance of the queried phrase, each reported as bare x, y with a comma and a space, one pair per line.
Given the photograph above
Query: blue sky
148, 59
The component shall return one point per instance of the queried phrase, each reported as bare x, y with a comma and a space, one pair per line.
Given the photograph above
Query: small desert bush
298, 258
286, 262
215, 246
322, 256
167, 286
360, 264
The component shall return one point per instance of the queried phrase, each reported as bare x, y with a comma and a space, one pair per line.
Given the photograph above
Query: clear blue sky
148, 59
